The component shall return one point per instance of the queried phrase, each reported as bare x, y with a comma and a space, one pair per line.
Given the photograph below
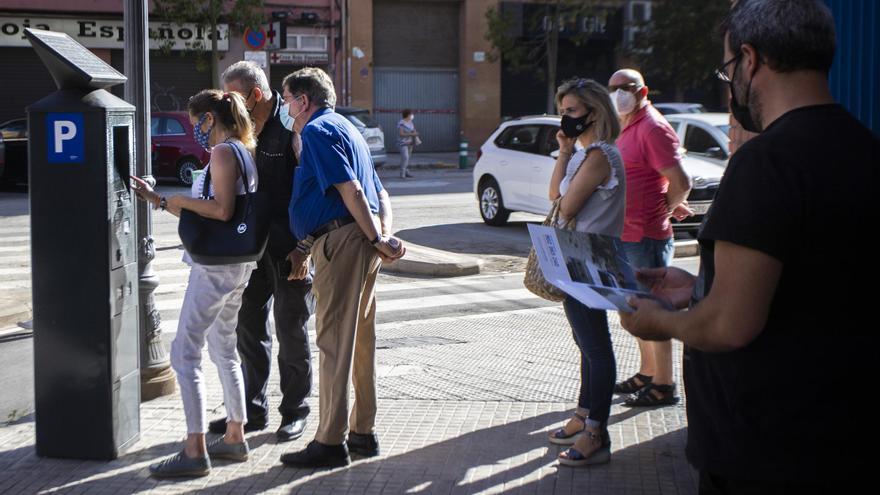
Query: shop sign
109, 33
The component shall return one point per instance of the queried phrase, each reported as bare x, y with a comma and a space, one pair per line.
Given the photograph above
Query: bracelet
569, 153
376, 240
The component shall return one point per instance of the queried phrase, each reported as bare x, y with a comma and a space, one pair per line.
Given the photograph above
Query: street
466, 366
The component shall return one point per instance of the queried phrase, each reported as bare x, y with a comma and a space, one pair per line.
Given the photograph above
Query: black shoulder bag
239, 240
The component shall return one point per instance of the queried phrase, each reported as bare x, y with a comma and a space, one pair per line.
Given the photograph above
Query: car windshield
362, 119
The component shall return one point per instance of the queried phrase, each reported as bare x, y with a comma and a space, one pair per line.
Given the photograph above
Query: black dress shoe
218, 426
318, 455
365, 444
290, 429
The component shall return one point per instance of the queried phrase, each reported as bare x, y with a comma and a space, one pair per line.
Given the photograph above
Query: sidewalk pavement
465, 405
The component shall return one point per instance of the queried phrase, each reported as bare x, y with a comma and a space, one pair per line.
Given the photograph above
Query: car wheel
491, 205
185, 170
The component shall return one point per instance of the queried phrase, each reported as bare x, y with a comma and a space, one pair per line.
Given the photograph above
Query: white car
514, 166
371, 131
704, 135
669, 108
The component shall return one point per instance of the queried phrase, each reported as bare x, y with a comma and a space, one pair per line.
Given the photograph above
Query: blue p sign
65, 134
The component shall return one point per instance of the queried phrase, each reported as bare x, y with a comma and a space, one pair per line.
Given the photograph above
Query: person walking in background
769, 301
590, 185
406, 139
213, 293
291, 301
657, 187
341, 215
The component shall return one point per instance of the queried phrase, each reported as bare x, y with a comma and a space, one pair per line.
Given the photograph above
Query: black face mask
741, 111
573, 127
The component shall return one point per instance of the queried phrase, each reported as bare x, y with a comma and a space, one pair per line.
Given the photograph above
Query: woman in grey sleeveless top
590, 185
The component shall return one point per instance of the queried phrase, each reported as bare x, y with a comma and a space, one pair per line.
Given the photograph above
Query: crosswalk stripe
413, 303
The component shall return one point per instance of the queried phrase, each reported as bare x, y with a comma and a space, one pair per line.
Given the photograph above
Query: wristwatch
376, 240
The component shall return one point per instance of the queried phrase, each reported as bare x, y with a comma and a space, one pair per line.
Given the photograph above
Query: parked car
514, 166
371, 131
175, 151
14, 151
704, 135
670, 108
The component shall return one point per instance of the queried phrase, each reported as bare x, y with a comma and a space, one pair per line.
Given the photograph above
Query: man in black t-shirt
776, 366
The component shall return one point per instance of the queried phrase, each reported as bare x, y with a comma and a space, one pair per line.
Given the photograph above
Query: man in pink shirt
656, 188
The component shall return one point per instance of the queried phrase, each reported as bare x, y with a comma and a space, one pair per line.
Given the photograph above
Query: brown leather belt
331, 226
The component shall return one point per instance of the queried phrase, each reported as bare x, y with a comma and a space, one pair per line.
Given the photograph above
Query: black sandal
644, 398
560, 437
631, 385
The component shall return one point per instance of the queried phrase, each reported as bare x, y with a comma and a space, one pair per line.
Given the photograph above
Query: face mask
293, 118
573, 127
741, 112
286, 120
203, 138
624, 101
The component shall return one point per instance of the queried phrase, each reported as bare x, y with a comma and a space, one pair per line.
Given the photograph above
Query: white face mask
624, 101
286, 120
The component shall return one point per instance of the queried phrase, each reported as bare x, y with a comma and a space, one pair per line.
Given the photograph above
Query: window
174, 127
307, 42
640, 12
550, 142
520, 138
156, 126
698, 140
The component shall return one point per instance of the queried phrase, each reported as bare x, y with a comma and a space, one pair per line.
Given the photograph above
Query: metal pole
157, 379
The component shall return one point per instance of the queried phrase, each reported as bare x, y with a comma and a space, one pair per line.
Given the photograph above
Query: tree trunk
215, 55
552, 55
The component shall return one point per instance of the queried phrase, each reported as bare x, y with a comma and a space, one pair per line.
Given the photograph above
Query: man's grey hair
791, 34
249, 74
314, 83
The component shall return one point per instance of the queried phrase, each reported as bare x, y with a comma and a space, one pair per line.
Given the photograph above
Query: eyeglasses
721, 73
287, 98
629, 87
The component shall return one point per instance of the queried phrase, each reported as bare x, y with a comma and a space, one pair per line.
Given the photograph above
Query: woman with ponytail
213, 294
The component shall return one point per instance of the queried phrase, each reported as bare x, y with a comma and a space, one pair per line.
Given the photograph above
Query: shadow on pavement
474, 238
514, 457
475, 461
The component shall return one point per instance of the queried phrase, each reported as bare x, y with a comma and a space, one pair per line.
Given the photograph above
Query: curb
421, 260
416, 166
685, 249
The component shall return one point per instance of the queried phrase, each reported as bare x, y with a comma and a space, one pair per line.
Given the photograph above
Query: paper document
592, 268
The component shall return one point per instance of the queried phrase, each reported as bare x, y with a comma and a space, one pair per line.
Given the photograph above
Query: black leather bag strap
240, 160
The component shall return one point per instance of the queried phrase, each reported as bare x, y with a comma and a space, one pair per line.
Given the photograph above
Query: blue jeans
598, 366
649, 253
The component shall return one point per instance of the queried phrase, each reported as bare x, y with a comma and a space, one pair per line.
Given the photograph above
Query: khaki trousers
346, 267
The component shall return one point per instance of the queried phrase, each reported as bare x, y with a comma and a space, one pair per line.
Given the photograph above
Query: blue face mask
203, 138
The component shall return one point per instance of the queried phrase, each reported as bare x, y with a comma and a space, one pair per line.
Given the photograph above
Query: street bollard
463, 153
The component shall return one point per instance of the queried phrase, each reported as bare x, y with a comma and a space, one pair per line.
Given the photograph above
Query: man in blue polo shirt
341, 215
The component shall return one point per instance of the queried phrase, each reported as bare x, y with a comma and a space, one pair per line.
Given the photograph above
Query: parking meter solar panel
71, 64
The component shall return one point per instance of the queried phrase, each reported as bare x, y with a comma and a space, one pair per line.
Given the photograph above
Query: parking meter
84, 257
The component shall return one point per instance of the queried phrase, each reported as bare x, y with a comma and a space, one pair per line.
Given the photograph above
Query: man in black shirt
293, 300
774, 371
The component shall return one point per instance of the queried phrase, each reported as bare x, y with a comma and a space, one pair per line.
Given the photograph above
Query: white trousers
210, 312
